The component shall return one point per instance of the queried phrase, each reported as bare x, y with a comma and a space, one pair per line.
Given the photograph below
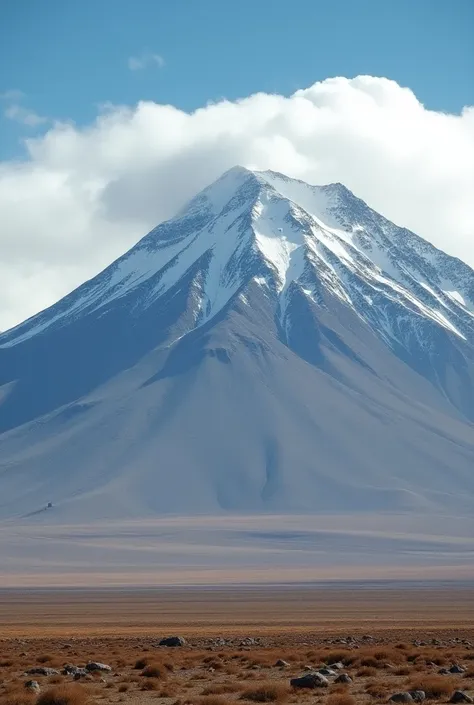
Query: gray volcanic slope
276, 347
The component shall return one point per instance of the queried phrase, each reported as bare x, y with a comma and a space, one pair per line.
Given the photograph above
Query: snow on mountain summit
281, 231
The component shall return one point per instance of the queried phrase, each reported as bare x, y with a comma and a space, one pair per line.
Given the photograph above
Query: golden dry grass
206, 672
434, 686
268, 692
66, 694
340, 699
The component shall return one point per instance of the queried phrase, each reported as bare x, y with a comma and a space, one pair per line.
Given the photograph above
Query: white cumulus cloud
146, 59
13, 110
85, 195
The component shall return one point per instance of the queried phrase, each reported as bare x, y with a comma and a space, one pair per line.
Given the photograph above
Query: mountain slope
276, 346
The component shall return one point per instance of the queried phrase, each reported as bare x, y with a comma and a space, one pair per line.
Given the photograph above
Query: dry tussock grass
366, 672
220, 689
151, 684
210, 700
379, 689
268, 692
340, 699
435, 686
154, 670
17, 697
67, 694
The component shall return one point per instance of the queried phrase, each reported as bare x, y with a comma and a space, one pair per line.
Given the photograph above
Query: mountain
275, 347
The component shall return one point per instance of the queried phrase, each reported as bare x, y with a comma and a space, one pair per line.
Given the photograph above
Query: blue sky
68, 57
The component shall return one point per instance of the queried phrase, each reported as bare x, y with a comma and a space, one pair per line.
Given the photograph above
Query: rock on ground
97, 666
173, 641
401, 698
310, 680
459, 696
33, 685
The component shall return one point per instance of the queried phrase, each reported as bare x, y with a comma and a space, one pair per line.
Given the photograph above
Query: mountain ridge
274, 347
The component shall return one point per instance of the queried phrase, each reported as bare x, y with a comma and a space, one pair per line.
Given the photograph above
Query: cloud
15, 111
146, 59
25, 116
12, 95
85, 195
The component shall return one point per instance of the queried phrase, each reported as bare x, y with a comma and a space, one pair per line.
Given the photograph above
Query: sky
114, 113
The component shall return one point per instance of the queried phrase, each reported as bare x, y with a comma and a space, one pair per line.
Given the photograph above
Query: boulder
173, 641
455, 668
97, 666
71, 670
310, 680
282, 664
42, 671
401, 698
417, 695
459, 696
34, 686
327, 671
343, 678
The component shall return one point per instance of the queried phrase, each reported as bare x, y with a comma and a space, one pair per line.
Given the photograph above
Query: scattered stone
343, 678
455, 668
282, 664
33, 686
173, 641
459, 696
337, 666
249, 641
42, 671
310, 680
327, 672
418, 695
76, 671
97, 666
401, 698
444, 672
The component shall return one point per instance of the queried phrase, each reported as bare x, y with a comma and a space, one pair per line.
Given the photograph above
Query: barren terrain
387, 638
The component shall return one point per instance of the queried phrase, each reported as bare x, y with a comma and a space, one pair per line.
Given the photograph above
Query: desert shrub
151, 684
366, 672
220, 689
337, 655
17, 697
211, 700
370, 662
435, 686
340, 699
402, 671
141, 663
154, 670
377, 689
67, 694
266, 693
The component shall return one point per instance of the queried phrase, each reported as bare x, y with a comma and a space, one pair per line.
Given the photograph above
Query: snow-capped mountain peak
264, 226
276, 345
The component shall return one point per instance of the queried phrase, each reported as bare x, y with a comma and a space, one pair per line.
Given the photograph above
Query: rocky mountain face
274, 347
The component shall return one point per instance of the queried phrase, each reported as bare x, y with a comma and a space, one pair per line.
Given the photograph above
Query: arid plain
242, 644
